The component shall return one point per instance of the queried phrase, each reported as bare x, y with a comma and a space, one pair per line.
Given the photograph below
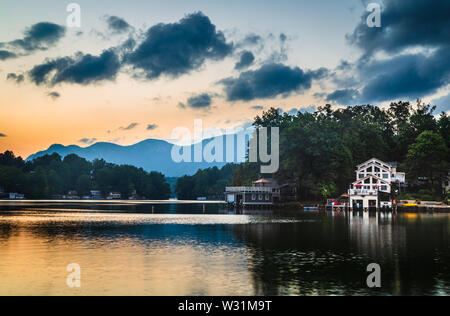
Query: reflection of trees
330, 256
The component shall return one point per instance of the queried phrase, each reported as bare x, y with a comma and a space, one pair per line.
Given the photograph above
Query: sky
136, 70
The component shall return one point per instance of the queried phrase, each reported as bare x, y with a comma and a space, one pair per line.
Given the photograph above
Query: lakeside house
114, 196
96, 195
263, 192
16, 196
373, 186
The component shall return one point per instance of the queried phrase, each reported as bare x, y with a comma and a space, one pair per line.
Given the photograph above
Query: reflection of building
373, 185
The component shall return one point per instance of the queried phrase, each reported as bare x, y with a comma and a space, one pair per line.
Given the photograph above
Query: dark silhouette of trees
51, 175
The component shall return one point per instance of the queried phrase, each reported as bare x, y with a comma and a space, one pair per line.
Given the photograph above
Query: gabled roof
370, 176
370, 160
373, 160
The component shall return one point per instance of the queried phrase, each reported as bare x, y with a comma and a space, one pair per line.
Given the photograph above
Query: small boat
311, 209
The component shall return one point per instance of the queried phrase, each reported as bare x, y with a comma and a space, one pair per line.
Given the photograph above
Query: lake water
180, 249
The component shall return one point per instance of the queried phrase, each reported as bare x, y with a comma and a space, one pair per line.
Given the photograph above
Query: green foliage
319, 151
50, 175
245, 174
428, 157
209, 183
327, 190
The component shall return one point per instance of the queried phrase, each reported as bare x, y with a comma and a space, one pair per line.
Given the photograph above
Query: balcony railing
252, 190
362, 192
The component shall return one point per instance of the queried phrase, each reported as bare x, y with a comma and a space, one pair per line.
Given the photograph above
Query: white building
373, 185
114, 196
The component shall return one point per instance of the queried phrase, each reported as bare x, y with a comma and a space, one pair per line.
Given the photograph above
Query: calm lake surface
125, 249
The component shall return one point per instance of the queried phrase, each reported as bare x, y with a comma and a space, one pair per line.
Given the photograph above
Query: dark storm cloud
247, 59
405, 24
422, 25
4, 55
257, 107
203, 100
269, 81
344, 96
406, 76
15, 77
54, 95
83, 69
178, 48
40, 36
117, 25
151, 127
167, 49
2, 135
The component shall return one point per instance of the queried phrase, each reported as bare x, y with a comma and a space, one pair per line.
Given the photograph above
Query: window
260, 197
384, 188
361, 175
254, 197
367, 181
369, 169
377, 169
267, 197
385, 176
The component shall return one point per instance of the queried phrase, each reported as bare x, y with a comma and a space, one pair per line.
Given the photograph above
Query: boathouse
263, 192
373, 186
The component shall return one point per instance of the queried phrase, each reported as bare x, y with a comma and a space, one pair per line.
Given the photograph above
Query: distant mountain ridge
150, 154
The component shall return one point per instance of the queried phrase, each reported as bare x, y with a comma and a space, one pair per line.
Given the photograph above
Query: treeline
209, 183
319, 151
51, 175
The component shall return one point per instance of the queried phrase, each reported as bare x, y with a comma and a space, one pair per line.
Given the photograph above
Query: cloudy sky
137, 69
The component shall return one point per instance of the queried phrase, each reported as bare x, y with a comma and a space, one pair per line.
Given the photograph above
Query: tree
50, 175
428, 157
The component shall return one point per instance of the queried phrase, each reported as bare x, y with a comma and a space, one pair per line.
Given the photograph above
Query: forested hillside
319, 151
51, 175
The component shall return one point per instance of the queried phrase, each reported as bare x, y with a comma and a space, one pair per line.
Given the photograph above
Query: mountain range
151, 155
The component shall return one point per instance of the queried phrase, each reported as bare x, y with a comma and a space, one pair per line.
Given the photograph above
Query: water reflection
180, 252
